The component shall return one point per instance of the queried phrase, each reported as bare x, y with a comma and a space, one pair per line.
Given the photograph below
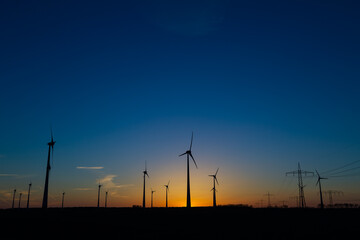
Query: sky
263, 85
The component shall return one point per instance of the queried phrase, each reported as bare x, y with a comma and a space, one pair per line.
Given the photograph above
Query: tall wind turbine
167, 189
28, 198
152, 193
98, 203
145, 173
214, 188
62, 200
13, 201
319, 182
48, 167
188, 153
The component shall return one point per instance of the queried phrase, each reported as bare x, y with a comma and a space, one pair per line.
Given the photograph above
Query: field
181, 223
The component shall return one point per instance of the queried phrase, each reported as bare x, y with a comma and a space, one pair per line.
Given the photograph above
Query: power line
347, 170
338, 168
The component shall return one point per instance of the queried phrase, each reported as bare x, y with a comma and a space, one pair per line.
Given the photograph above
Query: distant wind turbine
62, 200
188, 153
145, 173
13, 201
28, 198
214, 188
48, 167
319, 182
98, 203
167, 189
152, 193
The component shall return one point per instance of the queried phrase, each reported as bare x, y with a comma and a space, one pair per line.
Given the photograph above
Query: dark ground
180, 223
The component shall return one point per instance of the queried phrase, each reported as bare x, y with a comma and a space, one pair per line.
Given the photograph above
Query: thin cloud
8, 175
108, 182
90, 168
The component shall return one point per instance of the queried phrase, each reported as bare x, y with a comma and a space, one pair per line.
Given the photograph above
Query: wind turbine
319, 182
48, 167
13, 201
145, 173
62, 200
167, 189
188, 153
152, 193
98, 203
28, 198
214, 188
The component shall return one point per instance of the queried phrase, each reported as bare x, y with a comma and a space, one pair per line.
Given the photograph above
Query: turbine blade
216, 172
193, 159
182, 154
317, 182
168, 183
192, 135
216, 181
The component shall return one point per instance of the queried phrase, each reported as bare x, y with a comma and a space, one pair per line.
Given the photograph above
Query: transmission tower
332, 193
268, 195
300, 173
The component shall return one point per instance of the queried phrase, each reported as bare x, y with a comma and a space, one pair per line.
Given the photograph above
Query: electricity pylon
268, 195
300, 173
332, 193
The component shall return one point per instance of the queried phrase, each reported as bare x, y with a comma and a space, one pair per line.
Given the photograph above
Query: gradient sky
263, 85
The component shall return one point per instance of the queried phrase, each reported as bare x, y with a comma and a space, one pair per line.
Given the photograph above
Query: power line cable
338, 168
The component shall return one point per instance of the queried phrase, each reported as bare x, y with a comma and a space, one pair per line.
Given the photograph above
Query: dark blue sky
273, 81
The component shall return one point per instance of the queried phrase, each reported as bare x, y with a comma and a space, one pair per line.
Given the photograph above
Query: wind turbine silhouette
167, 189
214, 188
152, 193
98, 202
48, 167
13, 201
62, 200
145, 173
319, 182
28, 198
188, 153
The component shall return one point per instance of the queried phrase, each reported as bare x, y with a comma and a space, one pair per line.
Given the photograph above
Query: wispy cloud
108, 182
8, 175
90, 168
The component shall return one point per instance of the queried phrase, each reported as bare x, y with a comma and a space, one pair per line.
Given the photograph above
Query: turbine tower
62, 200
145, 173
301, 186
319, 182
167, 189
98, 203
188, 153
214, 188
13, 201
152, 193
106, 195
48, 167
28, 198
